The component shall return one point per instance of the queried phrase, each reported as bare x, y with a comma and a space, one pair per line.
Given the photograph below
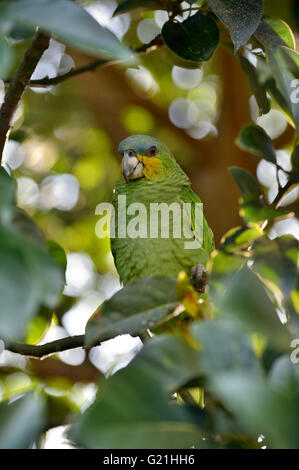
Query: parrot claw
199, 277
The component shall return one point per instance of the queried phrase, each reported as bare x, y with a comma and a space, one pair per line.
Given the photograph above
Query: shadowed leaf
21, 421
254, 139
241, 17
135, 308
193, 40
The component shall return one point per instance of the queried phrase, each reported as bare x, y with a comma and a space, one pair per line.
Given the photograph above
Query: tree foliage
215, 372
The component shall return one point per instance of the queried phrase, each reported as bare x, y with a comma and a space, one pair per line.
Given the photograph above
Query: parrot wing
187, 195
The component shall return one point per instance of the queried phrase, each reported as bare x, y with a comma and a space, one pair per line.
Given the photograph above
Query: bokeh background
63, 152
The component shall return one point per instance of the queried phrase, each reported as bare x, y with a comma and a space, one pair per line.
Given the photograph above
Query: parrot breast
138, 257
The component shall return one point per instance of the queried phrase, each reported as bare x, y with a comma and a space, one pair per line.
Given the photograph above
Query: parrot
151, 175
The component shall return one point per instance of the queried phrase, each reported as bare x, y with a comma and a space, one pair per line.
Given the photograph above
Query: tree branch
91, 66
19, 84
43, 350
282, 192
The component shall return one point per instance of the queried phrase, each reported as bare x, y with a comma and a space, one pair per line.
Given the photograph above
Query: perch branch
43, 350
92, 66
19, 84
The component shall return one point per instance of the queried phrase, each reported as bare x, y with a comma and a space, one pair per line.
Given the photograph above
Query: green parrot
151, 177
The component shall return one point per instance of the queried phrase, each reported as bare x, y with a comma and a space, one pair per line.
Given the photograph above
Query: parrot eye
152, 151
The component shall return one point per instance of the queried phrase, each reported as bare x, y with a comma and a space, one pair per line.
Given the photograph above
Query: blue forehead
139, 143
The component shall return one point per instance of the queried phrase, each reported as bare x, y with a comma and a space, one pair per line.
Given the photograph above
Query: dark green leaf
170, 360
259, 407
133, 409
29, 277
241, 17
239, 238
225, 263
57, 253
259, 90
284, 376
223, 347
295, 160
277, 261
21, 421
194, 40
283, 67
7, 189
6, 57
25, 225
71, 23
135, 308
18, 292
274, 31
244, 299
129, 5
246, 182
48, 275
253, 206
254, 139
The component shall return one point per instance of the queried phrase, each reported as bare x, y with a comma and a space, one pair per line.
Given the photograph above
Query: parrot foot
199, 277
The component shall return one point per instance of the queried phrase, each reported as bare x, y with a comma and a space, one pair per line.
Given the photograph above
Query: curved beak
132, 168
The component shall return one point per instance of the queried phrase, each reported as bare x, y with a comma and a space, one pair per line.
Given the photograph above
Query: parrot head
145, 157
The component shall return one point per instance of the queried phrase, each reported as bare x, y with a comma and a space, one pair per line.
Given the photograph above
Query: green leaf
17, 288
171, 361
57, 253
246, 182
136, 307
284, 376
26, 225
277, 261
244, 299
241, 17
48, 275
223, 347
225, 264
259, 90
129, 5
295, 160
21, 421
71, 23
275, 31
193, 40
29, 277
238, 238
267, 78
39, 325
133, 409
254, 139
283, 66
259, 407
253, 206
7, 189
6, 57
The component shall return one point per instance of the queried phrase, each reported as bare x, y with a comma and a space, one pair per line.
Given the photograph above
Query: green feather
208, 238
136, 258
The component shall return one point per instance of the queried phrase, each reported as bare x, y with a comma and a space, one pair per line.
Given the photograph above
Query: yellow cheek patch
152, 166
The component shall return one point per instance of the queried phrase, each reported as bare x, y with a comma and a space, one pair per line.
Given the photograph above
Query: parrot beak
132, 168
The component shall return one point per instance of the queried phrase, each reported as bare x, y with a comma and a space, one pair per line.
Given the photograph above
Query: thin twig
282, 193
19, 84
91, 66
